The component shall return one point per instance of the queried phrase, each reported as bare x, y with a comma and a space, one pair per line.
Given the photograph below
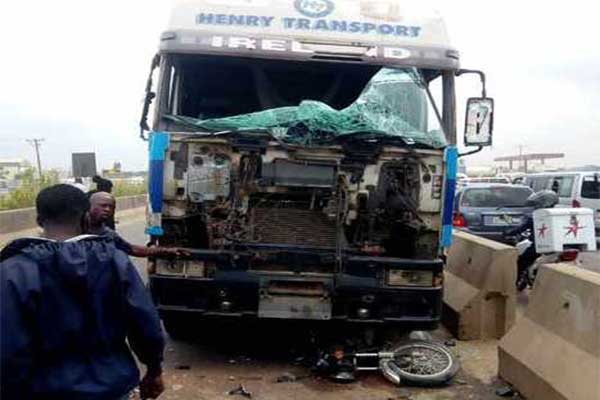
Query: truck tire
420, 363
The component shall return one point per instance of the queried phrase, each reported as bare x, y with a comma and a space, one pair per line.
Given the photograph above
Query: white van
575, 189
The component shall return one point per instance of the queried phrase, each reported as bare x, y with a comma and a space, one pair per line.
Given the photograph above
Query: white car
574, 189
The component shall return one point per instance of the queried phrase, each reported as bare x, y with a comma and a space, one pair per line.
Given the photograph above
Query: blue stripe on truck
449, 194
158, 145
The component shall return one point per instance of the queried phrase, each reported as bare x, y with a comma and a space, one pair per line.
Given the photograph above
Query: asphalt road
255, 356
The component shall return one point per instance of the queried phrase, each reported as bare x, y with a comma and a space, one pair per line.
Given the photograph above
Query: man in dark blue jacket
69, 306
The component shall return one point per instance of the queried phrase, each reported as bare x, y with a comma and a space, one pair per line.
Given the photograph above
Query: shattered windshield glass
394, 103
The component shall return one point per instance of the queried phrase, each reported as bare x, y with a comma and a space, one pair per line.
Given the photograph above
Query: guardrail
25, 218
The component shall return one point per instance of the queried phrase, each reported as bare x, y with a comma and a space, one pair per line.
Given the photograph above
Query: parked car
574, 189
461, 180
490, 209
518, 180
488, 179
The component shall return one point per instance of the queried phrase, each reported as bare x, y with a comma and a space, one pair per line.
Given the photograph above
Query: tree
24, 196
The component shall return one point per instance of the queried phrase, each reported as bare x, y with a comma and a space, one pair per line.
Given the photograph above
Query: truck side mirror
150, 95
479, 121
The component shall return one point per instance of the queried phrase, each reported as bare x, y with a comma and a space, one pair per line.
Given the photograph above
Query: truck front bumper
353, 297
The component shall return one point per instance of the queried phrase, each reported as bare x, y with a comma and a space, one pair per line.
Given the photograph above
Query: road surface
257, 356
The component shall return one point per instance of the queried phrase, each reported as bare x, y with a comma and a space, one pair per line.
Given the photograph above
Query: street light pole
36, 143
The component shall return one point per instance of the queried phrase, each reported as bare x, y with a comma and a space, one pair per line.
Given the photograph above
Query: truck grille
292, 227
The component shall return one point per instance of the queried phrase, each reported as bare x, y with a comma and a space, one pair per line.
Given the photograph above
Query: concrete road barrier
130, 202
479, 290
25, 218
553, 352
17, 220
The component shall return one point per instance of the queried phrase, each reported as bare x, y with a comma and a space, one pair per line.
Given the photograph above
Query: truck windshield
307, 103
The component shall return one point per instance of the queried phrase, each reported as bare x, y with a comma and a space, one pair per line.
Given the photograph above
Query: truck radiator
290, 226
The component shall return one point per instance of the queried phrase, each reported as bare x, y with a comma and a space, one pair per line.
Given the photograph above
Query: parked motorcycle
529, 261
526, 263
523, 238
412, 362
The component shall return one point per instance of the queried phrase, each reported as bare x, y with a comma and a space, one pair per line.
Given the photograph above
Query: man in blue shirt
70, 305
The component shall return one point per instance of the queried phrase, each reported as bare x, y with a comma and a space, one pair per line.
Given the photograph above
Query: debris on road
505, 391
183, 367
343, 377
450, 343
420, 335
241, 391
250, 378
299, 360
239, 360
289, 377
286, 377
404, 394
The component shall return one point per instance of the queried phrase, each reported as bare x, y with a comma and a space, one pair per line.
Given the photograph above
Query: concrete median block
553, 352
130, 202
17, 220
479, 293
25, 218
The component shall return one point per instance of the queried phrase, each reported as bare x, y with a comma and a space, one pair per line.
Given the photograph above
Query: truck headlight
195, 268
402, 277
192, 268
169, 267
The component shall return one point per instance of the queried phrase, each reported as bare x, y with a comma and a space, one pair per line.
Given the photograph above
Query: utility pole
36, 143
523, 161
521, 157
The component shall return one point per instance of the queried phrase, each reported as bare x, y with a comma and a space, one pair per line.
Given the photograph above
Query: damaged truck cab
304, 152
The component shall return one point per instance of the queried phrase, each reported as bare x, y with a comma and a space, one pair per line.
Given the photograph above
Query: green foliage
25, 195
125, 188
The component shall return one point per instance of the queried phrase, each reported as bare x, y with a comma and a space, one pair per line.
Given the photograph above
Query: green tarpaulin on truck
393, 103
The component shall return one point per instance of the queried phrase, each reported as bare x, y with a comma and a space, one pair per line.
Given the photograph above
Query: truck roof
385, 32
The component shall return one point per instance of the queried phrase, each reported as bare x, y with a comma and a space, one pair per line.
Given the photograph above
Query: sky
74, 72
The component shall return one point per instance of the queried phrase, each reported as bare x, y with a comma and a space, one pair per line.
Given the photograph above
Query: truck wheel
421, 364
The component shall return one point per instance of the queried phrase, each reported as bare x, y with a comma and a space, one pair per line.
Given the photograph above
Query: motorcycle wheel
420, 364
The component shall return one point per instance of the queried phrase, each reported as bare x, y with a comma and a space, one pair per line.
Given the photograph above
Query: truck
304, 154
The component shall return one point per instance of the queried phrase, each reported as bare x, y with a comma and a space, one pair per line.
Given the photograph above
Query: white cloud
74, 72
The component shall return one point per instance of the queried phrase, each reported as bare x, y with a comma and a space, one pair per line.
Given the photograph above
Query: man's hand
170, 251
151, 386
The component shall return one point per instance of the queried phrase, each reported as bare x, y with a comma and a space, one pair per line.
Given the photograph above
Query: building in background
11, 168
10, 171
